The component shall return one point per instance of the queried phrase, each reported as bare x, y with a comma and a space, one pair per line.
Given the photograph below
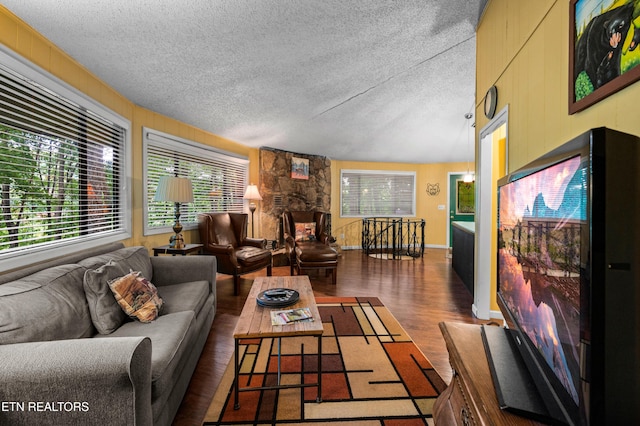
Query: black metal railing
393, 237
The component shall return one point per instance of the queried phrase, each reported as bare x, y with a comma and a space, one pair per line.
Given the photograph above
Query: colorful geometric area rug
372, 374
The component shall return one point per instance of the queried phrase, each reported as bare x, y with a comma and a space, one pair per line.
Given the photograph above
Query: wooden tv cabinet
470, 398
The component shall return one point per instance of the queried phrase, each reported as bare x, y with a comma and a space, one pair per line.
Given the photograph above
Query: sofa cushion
171, 336
133, 259
47, 305
305, 231
189, 296
137, 297
106, 313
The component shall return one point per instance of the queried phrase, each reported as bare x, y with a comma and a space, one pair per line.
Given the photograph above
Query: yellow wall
426, 205
497, 170
523, 49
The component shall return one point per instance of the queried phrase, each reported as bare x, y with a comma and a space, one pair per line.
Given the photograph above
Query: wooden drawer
460, 402
452, 406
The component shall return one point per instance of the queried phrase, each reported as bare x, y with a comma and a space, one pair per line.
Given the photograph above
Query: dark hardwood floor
419, 292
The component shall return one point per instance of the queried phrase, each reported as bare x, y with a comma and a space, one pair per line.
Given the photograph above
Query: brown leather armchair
224, 235
310, 248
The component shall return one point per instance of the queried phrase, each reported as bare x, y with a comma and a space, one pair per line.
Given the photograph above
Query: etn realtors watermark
44, 406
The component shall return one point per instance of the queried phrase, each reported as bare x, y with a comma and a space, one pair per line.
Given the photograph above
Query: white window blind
219, 180
371, 193
62, 170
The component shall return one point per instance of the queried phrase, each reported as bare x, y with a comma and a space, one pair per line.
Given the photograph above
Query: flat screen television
568, 285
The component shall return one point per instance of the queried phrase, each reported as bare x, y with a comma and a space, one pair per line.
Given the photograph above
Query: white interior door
486, 185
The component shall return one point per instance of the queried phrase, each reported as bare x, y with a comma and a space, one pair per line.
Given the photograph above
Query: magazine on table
288, 316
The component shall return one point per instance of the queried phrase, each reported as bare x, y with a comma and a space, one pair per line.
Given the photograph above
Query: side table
188, 248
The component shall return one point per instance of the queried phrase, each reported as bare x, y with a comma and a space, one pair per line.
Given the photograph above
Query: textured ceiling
368, 80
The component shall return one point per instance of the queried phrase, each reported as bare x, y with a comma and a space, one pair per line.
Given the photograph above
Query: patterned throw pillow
137, 297
306, 231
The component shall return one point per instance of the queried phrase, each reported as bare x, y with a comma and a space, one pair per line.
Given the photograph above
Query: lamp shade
174, 189
252, 193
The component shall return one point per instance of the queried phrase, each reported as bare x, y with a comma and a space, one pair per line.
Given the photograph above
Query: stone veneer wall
281, 192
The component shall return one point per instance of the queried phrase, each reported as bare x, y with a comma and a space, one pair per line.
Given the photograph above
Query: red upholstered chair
307, 242
224, 235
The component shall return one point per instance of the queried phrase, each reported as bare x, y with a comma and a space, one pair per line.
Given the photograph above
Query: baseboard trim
436, 246
493, 315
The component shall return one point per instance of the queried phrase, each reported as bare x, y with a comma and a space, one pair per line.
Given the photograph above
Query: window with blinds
62, 172
372, 193
219, 180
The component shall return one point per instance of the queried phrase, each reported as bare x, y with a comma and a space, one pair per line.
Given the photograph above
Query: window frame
381, 173
59, 88
183, 146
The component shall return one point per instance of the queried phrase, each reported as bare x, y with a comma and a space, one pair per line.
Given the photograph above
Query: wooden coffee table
255, 322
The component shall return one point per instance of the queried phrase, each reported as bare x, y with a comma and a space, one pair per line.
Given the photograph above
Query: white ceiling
368, 80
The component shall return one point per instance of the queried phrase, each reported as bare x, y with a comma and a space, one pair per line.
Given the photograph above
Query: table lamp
177, 190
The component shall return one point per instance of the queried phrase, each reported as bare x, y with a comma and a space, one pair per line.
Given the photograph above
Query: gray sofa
69, 356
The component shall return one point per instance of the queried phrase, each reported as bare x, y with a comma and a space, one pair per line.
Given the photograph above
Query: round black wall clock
490, 101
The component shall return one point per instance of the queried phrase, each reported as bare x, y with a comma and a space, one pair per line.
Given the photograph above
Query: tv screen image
539, 224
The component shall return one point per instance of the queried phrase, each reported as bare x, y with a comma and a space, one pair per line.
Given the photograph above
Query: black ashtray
278, 297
